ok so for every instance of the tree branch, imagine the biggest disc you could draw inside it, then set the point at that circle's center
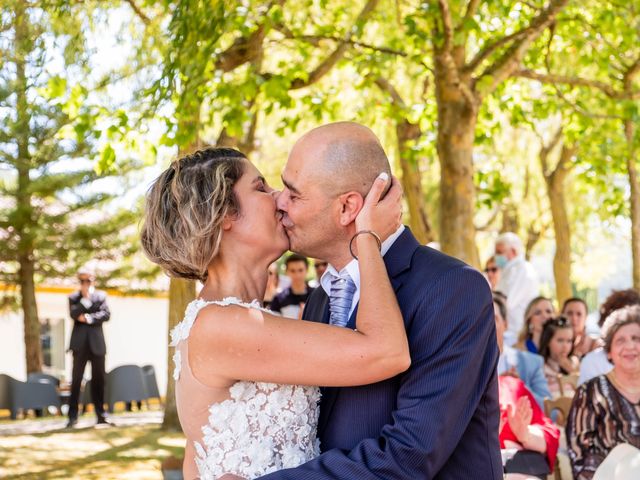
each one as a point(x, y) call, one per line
point(315, 39)
point(245, 48)
point(605, 88)
point(325, 66)
point(510, 60)
point(489, 48)
point(385, 86)
point(146, 20)
point(447, 25)
point(545, 150)
point(472, 8)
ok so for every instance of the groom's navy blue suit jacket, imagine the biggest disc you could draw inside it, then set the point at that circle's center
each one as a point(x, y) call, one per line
point(439, 419)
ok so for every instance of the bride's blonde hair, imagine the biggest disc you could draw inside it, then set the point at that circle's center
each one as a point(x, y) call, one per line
point(185, 208)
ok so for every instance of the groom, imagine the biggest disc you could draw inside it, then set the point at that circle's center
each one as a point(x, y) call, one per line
point(439, 419)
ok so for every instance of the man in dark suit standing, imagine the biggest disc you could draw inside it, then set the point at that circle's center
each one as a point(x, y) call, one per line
point(88, 309)
point(440, 418)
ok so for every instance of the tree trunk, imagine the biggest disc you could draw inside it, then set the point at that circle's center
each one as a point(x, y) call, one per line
point(181, 292)
point(411, 181)
point(562, 232)
point(24, 218)
point(33, 351)
point(634, 201)
point(456, 130)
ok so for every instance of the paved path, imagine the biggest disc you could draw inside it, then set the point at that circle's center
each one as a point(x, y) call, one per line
point(44, 425)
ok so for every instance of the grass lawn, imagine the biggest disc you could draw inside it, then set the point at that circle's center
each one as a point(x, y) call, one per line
point(123, 452)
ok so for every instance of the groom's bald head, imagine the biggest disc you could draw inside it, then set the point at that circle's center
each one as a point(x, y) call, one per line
point(342, 156)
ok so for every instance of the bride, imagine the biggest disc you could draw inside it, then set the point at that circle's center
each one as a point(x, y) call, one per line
point(245, 377)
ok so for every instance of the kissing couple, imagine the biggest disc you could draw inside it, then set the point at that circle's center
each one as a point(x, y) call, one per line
point(392, 374)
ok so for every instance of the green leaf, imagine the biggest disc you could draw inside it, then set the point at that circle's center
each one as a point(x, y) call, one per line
point(107, 160)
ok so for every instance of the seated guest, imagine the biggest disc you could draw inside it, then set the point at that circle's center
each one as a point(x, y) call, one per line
point(539, 310)
point(556, 347)
point(606, 410)
point(524, 365)
point(290, 301)
point(575, 309)
point(492, 272)
point(522, 424)
point(596, 363)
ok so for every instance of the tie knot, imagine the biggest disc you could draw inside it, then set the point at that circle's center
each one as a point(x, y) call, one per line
point(342, 278)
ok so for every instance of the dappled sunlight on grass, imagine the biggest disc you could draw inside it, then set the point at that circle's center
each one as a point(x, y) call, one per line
point(114, 453)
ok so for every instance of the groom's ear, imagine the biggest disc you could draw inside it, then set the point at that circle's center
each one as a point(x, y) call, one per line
point(350, 205)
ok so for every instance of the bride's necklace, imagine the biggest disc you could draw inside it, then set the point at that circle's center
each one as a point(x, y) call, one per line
point(619, 386)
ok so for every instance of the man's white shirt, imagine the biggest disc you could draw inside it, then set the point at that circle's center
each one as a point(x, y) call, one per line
point(354, 272)
point(519, 282)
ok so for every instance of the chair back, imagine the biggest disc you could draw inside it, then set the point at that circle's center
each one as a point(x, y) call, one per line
point(5, 391)
point(560, 404)
point(125, 384)
point(43, 378)
point(565, 381)
point(150, 381)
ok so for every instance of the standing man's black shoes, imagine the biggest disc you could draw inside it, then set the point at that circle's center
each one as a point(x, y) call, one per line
point(103, 421)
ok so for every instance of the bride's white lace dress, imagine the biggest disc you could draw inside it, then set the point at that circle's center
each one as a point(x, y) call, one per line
point(261, 428)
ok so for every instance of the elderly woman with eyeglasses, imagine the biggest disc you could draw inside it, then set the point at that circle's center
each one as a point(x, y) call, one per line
point(556, 347)
point(605, 414)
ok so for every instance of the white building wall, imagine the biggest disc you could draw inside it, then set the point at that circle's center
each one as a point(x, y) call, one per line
point(135, 334)
point(12, 361)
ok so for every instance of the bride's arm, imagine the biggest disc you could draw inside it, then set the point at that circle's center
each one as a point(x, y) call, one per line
point(247, 344)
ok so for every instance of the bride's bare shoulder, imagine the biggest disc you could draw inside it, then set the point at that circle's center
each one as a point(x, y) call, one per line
point(219, 321)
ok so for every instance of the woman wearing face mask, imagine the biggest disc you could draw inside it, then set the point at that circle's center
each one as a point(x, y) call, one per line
point(556, 347)
point(539, 310)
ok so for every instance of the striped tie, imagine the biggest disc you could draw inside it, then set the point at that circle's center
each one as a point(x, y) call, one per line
point(342, 290)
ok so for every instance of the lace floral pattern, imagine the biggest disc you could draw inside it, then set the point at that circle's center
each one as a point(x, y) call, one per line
point(261, 428)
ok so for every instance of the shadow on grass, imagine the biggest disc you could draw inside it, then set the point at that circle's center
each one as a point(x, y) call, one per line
point(148, 444)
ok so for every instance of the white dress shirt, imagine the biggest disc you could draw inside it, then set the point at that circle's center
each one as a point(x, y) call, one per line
point(354, 272)
point(594, 364)
point(519, 282)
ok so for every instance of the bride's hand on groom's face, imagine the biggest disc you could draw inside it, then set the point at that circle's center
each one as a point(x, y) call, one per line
point(382, 215)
